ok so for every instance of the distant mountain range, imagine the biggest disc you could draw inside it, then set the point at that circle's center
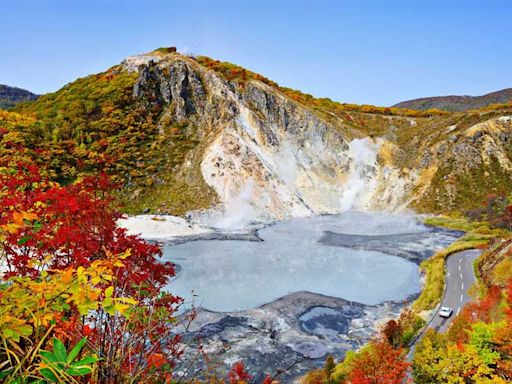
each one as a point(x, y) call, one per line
point(10, 96)
point(457, 103)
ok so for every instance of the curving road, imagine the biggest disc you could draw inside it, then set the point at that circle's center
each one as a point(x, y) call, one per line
point(460, 277)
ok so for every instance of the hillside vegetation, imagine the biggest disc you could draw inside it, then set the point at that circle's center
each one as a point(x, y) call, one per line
point(95, 123)
point(149, 124)
point(477, 347)
point(124, 122)
point(458, 103)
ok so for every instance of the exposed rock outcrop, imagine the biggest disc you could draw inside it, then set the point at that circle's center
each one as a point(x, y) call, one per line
point(296, 163)
point(263, 150)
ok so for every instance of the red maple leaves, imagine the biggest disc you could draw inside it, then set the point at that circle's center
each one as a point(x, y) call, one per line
point(53, 227)
point(382, 364)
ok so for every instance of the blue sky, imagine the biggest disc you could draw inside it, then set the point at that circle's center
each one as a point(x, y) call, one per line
point(361, 51)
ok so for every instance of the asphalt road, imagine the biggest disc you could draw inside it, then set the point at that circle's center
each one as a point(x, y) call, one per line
point(460, 277)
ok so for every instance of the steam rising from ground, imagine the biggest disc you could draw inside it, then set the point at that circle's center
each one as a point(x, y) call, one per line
point(238, 211)
point(286, 164)
point(360, 182)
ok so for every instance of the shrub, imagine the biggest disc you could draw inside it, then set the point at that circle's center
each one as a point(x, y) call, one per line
point(71, 272)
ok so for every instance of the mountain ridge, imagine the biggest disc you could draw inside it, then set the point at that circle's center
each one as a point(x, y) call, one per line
point(191, 133)
point(10, 96)
point(455, 103)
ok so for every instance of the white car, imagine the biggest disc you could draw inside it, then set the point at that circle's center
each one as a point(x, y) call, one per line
point(445, 312)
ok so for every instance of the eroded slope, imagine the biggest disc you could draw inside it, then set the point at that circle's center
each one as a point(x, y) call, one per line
point(182, 133)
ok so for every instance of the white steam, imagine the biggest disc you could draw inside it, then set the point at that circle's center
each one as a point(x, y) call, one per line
point(238, 211)
point(360, 182)
point(286, 166)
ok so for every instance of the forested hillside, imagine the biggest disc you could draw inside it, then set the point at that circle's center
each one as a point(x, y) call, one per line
point(168, 133)
point(156, 121)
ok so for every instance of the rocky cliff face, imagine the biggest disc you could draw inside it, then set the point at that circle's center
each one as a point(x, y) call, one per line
point(268, 156)
point(263, 151)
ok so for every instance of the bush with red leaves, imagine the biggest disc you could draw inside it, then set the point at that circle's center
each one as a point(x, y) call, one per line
point(74, 225)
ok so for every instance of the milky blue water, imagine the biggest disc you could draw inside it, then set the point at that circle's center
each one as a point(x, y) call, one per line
point(236, 275)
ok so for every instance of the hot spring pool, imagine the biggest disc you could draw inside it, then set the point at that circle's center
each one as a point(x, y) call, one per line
point(231, 275)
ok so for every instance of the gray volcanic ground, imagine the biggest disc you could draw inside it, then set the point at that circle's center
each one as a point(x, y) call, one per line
point(312, 287)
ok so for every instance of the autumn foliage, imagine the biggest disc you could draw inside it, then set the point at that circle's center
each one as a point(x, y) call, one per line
point(238, 374)
point(496, 209)
point(81, 300)
point(71, 273)
point(379, 364)
point(477, 348)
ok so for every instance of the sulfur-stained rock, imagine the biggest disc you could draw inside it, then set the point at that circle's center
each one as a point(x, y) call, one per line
point(299, 162)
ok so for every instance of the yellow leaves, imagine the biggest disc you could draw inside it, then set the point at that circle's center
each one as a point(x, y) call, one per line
point(111, 304)
point(19, 220)
point(121, 308)
point(126, 254)
point(127, 300)
point(11, 119)
point(10, 228)
point(44, 320)
point(80, 272)
point(502, 273)
point(85, 307)
point(111, 307)
point(109, 291)
point(28, 304)
point(123, 304)
point(40, 204)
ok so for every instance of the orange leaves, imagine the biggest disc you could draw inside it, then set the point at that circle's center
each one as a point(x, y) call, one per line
point(376, 363)
point(10, 228)
point(233, 72)
point(380, 364)
point(67, 276)
point(156, 360)
point(12, 119)
point(34, 303)
point(20, 217)
point(86, 330)
point(18, 221)
point(477, 347)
